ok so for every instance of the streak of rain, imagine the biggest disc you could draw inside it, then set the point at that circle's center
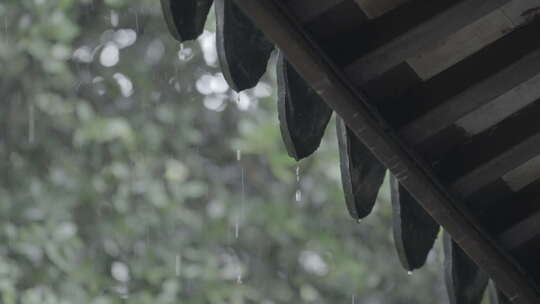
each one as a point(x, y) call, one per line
point(239, 276)
point(238, 155)
point(6, 29)
point(178, 264)
point(298, 195)
point(136, 21)
point(31, 124)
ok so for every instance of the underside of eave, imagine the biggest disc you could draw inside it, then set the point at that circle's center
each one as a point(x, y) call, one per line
point(271, 17)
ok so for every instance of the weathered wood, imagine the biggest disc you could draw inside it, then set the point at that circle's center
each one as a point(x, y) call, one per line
point(243, 50)
point(303, 115)
point(361, 173)
point(185, 18)
point(377, 8)
point(421, 97)
point(415, 231)
point(522, 232)
point(496, 296)
point(273, 17)
point(461, 44)
point(306, 10)
point(498, 208)
point(371, 34)
point(472, 38)
point(465, 282)
point(484, 104)
point(455, 156)
point(497, 167)
point(523, 175)
point(419, 39)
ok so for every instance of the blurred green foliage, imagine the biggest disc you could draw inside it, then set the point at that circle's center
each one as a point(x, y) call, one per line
point(129, 173)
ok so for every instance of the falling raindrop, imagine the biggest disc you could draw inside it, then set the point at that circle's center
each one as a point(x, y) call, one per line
point(177, 265)
point(136, 20)
point(185, 54)
point(238, 155)
point(114, 18)
point(6, 29)
point(298, 174)
point(298, 195)
point(353, 299)
point(207, 41)
point(147, 238)
point(409, 272)
point(239, 276)
point(243, 101)
point(242, 199)
point(31, 124)
point(359, 220)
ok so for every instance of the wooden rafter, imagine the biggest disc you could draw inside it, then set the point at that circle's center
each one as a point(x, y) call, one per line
point(352, 106)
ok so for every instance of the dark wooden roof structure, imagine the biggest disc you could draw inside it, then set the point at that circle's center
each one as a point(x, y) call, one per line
point(444, 94)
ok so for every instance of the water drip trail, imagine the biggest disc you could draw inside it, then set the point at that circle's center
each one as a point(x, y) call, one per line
point(178, 264)
point(31, 124)
point(298, 193)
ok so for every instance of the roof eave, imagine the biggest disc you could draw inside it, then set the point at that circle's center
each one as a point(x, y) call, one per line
point(274, 20)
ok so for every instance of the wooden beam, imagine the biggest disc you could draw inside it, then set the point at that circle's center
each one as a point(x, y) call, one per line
point(466, 154)
point(420, 97)
point(498, 207)
point(307, 10)
point(523, 175)
point(421, 38)
point(334, 31)
point(377, 8)
point(339, 93)
point(522, 232)
point(484, 104)
point(472, 38)
point(497, 167)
